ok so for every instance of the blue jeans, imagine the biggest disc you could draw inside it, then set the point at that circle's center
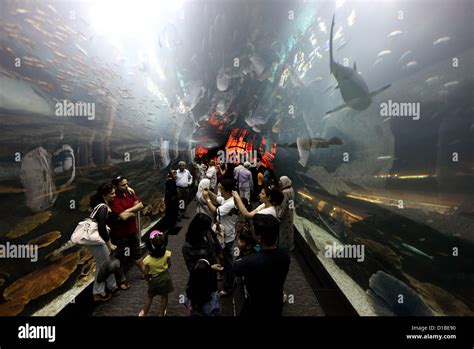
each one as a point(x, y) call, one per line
point(101, 255)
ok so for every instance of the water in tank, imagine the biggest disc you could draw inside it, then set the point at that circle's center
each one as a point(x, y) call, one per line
point(366, 106)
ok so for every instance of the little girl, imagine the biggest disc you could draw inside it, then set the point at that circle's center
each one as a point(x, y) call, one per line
point(156, 270)
point(202, 296)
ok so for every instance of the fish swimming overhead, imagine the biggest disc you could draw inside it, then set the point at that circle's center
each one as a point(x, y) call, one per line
point(354, 89)
point(306, 145)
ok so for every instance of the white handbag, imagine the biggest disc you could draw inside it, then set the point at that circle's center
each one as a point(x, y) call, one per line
point(87, 231)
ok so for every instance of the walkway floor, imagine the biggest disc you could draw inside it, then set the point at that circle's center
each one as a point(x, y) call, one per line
point(302, 301)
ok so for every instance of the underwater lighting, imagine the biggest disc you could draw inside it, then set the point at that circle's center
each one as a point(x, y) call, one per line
point(404, 177)
point(340, 3)
point(414, 176)
point(306, 196)
point(112, 18)
point(153, 88)
point(174, 5)
point(124, 17)
point(368, 199)
point(395, 202)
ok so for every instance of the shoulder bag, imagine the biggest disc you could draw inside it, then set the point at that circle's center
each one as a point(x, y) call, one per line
point(87, 231)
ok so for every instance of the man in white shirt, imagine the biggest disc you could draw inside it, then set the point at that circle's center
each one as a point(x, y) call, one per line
point(211, 174)
point(245, 181)
point(184, 180)
point(202, 169)
point(236, 172)
point(227, 217)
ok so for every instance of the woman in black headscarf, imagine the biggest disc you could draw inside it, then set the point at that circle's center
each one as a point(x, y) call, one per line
point(171, 200)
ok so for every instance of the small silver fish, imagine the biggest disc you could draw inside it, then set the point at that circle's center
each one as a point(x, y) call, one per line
point(394, 34)
point(441, 40)
point(451, 83)
point(52, 9)
point(411, 64)
point(21, 11)
point(431, 80)
point(81, 49)
point(404, 55)
point(377, 61)
point(417, 251)
point(383, 53)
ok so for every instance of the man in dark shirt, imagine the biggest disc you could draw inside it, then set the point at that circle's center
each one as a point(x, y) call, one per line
point(124, 233)
point(265, 272)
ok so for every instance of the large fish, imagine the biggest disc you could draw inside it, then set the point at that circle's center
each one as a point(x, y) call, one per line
point(354, 89)
point(222, 80)
point(387, 288)
point(306, 145)
point(258, 63)
point(23, 97)
point(165, 153)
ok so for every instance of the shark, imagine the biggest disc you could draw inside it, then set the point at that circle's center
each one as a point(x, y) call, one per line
point(353, 88)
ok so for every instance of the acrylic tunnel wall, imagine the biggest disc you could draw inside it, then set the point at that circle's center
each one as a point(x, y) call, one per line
point(368, 112)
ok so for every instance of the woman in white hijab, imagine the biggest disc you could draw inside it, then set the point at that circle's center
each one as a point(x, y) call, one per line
point(205, 185)
point(285, 214)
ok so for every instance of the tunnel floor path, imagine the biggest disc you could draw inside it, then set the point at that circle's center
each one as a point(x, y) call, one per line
point(302, 301)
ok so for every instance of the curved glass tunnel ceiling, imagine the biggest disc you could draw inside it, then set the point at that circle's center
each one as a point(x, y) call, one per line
point(378, 141)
